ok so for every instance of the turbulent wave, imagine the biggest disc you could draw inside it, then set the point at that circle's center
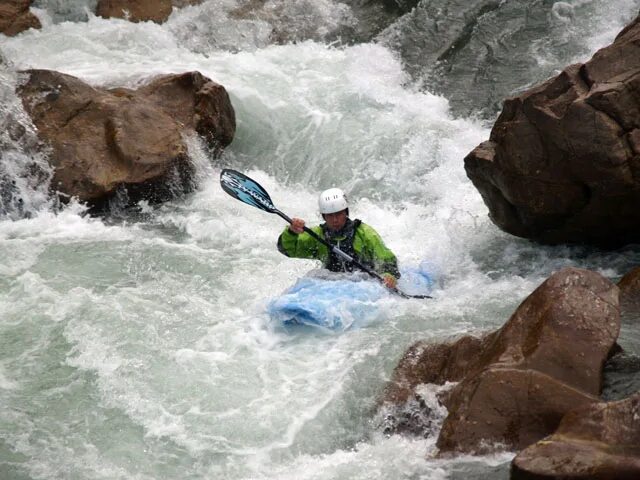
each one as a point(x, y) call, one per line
point(478, 53)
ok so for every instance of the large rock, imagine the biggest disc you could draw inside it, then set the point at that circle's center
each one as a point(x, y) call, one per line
point(546, 360)
point(16, 17)
point(597, 442)
point(197, 103)
point(402, 408)
point(516, 383)
point(565, 329)
point(506, 408)
point(426, 362)
point(140, 10)
point(563, 160)
point(103, 140)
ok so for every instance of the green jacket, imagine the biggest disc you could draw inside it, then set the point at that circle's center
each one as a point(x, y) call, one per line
point(366, 246)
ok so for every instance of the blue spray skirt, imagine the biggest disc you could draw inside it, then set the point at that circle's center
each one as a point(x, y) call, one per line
point(340, 301)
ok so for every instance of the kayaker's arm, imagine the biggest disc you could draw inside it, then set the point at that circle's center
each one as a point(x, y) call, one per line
point(299, 245)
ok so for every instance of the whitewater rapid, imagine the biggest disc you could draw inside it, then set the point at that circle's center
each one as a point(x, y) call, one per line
point(138, 346)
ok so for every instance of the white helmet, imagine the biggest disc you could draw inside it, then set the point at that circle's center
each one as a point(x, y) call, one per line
point(332, 201)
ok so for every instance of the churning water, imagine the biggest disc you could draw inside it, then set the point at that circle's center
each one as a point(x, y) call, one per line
point(139, 347)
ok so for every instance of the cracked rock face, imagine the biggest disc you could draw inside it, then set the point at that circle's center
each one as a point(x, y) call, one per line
point(103, 141)
point(562, 164)
point(597, 442)
point(546, 360)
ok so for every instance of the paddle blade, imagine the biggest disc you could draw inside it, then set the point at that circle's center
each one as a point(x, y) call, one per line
point(242, 188)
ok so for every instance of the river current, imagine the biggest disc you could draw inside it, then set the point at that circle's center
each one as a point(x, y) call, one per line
point(137, 346)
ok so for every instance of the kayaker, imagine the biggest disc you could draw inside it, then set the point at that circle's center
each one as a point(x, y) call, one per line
point(353, 237)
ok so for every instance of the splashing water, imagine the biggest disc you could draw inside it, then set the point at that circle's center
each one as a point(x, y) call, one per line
point(141, 347)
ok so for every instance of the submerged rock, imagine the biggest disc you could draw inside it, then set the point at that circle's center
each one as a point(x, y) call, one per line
point(16, 17)
point(414, 417)
point(597, 442)
point(105, 140)
point(563, 160)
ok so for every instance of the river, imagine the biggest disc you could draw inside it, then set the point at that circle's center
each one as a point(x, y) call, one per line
point(137, 346)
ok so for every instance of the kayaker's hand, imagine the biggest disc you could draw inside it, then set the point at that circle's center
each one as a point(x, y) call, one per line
point(297, 225)
point(390, 281)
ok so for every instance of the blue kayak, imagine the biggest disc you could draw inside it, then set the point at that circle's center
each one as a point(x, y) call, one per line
point(337, 302)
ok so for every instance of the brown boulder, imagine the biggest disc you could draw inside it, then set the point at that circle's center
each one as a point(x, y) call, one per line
point(545, 360)
point(135, 10)
point(195, 102)
point(563, 160)
point(102, 140)
point(426, 362)
point(16, 17)
point(140, 10)
point(506, 408)
point(566, 329)
point(517, 382)
point(597, 442)
point(402, 408)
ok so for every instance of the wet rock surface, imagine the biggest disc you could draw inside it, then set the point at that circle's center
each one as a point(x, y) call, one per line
point(516, 383)
point(15, 17)
point(105, 140)
point(597, 442)
point(562, 164)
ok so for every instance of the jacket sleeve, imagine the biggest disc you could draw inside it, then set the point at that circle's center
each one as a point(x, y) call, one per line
point(383, 259)
point(300, 245)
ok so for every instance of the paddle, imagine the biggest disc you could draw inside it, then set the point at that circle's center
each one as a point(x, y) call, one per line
point(248, 191)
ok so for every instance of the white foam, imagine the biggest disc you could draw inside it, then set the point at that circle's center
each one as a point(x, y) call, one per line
point(6, 383)
point(163, 320)
point(70, 223)
point(380, 459)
